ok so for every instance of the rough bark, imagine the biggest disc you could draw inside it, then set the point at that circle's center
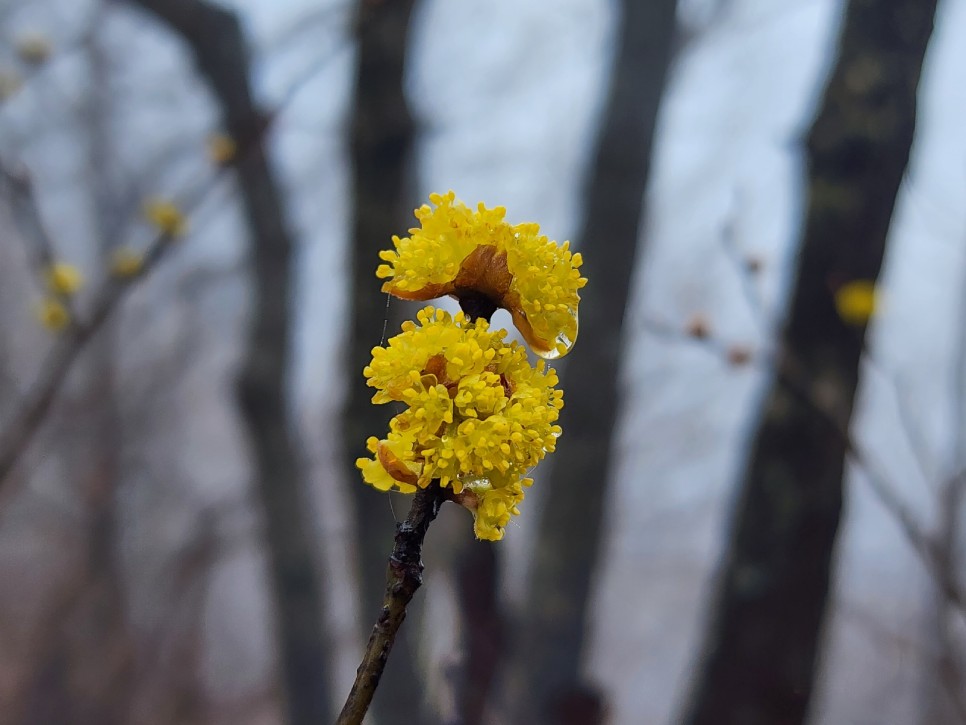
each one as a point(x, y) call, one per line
point(215, 38)
point(765, 630)
point(381, 132)
point(552, 631)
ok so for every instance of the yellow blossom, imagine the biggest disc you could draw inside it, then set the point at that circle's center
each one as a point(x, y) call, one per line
point(126, 262)
point(221, 148)
point(166, 216)
point(63, 279)
point(460, 252)
point(857, 301)
point(478, 416)
point(492, 506)
point(52, 314)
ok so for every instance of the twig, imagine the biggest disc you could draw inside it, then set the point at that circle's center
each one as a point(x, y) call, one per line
point(58, 362)
point(744, 271)
point(908, 422)
point(32, 409)
point(403, 577)
point(40, 246)
point(405, 573)
point(921, 542)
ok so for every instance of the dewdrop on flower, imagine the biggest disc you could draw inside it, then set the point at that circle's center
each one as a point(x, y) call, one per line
point(460, 252)
point(478, 415)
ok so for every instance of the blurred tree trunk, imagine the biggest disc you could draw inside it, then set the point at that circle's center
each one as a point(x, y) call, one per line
point(476, 567)
point(765, 630)
point(382, 137)
point(215, 38)
point(552, 630)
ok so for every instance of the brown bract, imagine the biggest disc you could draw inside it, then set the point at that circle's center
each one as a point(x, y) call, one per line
point(395, 467)
point(483, 274)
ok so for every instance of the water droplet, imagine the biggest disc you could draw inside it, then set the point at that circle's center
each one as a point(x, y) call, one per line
point(563, 342)
point(475, 481)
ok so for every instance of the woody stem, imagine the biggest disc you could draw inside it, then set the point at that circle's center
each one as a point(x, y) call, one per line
point(403, 577)
point(476, 306)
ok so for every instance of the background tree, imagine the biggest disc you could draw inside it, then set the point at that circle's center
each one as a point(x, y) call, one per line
point(132, 542)
point(764, 636)
point(381, 141)
point(263, 380)
point(572, 527)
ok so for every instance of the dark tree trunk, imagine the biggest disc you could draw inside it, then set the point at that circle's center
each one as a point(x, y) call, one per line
point(483, 627)
point(552, 632)
point(766, 627)
point(215, 38)
point(381, 143)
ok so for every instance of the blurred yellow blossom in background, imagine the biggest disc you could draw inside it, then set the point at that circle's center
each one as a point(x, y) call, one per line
point(52, 314)
point(857, 301)
point(63, 279)
point(33, 48)
point(221, 148)
point(166, 216)
point(126, 262)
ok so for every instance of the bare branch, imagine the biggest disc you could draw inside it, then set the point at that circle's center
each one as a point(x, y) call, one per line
point(922, 543)
point(70, 342)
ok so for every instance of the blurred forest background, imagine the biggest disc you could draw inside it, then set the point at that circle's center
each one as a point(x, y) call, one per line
point(754, 514)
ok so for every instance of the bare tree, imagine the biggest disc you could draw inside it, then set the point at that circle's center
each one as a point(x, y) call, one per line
point(764, 635)
point(215, 38)
point(571, 529)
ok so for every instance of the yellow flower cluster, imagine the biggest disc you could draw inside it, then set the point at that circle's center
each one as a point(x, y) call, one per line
point(478, 415)
point(457, 251)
